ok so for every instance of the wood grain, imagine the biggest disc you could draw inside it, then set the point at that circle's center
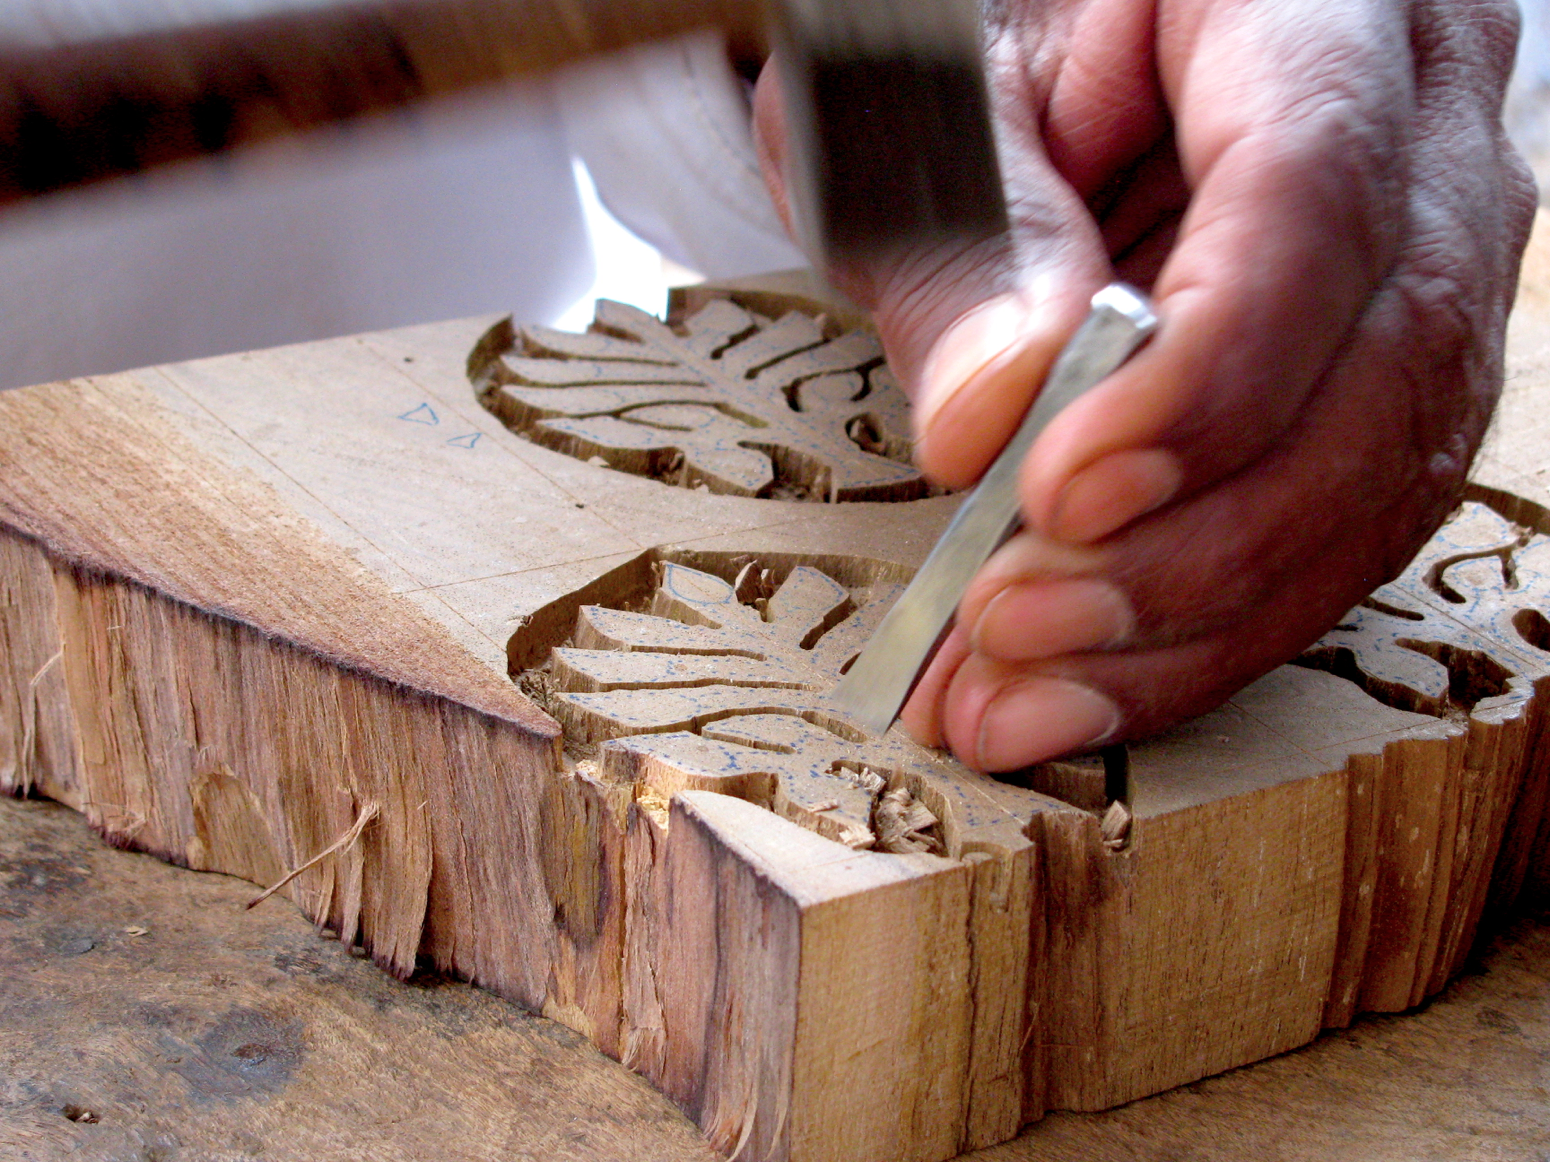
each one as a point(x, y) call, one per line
point(92, 1018)
point(145, 1012)
point(250, 600)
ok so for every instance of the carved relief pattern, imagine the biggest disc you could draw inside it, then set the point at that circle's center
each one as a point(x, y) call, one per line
point(721, 685)
point(1464, 627)
point(728, 400)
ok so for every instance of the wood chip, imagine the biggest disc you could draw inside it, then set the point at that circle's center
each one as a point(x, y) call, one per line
point(1115, 827)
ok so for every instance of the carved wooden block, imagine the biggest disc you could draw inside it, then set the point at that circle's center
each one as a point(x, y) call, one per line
point(729, 399)
point(450, 607)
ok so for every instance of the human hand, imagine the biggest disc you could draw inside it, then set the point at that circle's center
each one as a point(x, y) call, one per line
point(1322, 203)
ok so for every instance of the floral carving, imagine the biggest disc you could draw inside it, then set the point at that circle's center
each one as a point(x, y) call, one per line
point(1464, 625)
point(719, 681)
point(727, 399)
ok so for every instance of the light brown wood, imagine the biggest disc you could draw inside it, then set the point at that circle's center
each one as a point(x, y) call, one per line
point(731, 400)
point(146, 1013)
point(250, 600)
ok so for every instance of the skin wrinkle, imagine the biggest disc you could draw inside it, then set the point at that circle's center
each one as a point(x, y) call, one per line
point(1441, 304)
point(1497, 23)
point(1200, 548)
point(1137, 203)
point(1325, 103)
point(1202, 554)
point(1392, 479)
point(1224, 659)
point(1348, 179)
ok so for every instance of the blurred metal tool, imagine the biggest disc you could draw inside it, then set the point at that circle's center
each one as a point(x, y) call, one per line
point(887, 97)
point(879, 682)
point(889, 126)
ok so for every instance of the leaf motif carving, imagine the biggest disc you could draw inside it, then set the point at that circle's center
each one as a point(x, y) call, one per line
point(1466, 623)
point(721, 684)
point(727, 399)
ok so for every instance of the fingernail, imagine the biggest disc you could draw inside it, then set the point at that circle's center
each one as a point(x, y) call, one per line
point(966, 348)
point(1042, 619)
point(1040, 719)
point(1110, 493)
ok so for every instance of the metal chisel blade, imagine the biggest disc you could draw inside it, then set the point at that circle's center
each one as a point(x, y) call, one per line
point(876, 686)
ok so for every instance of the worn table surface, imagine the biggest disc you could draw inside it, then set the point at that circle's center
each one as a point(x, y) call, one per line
point(146, 1016)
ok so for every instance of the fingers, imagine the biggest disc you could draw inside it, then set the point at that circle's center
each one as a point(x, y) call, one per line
point(980, 376)
point(1332, 220)
point(922, 714)
point(999, 716)
point(1228, 581)
point(1034, 619)
point(991, 715)
point(1165, 620)
point(769, 139)
point(1293, 124)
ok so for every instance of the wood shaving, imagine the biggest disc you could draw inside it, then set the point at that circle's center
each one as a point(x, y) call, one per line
point(1115, 827)
point(903, 823)
point(653, 803)
point(854, 835)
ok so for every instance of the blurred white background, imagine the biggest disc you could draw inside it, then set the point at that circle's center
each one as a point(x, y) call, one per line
point(483, 205)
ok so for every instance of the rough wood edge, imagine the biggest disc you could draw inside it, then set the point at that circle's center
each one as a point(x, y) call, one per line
point(98, 474)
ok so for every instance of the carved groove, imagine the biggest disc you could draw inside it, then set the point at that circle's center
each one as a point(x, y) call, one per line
point(711, 671)
point(723, 398)
point(1462, 624)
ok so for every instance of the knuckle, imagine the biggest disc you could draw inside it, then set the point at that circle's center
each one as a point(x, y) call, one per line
point(1521, 197)
point(1344, 150)
point(1470, 40)
point(1440, 303)
point(1451, 365)
point(1499, 24)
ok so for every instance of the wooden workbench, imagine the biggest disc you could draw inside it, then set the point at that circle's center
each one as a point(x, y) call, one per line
point(144, 1014)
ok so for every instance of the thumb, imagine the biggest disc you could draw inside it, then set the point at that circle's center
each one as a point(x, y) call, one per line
point(970, 325)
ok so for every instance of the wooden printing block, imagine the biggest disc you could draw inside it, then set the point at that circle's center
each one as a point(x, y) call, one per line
point(515, 644)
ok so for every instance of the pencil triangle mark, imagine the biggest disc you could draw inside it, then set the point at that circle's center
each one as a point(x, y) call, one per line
point(467, 441)
point(424, 414)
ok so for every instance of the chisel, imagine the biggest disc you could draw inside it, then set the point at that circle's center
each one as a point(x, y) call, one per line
point(880, 680)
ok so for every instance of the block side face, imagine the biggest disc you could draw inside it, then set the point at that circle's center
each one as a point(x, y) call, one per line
point(1005, 945)
point(219, 748)
point(725, 965)
point(885, 1020)
point(1253, 892)
point(1234, 930)
point(1444, 820)
point(1521, 873)
point(1207, 944)
point(37, 725)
